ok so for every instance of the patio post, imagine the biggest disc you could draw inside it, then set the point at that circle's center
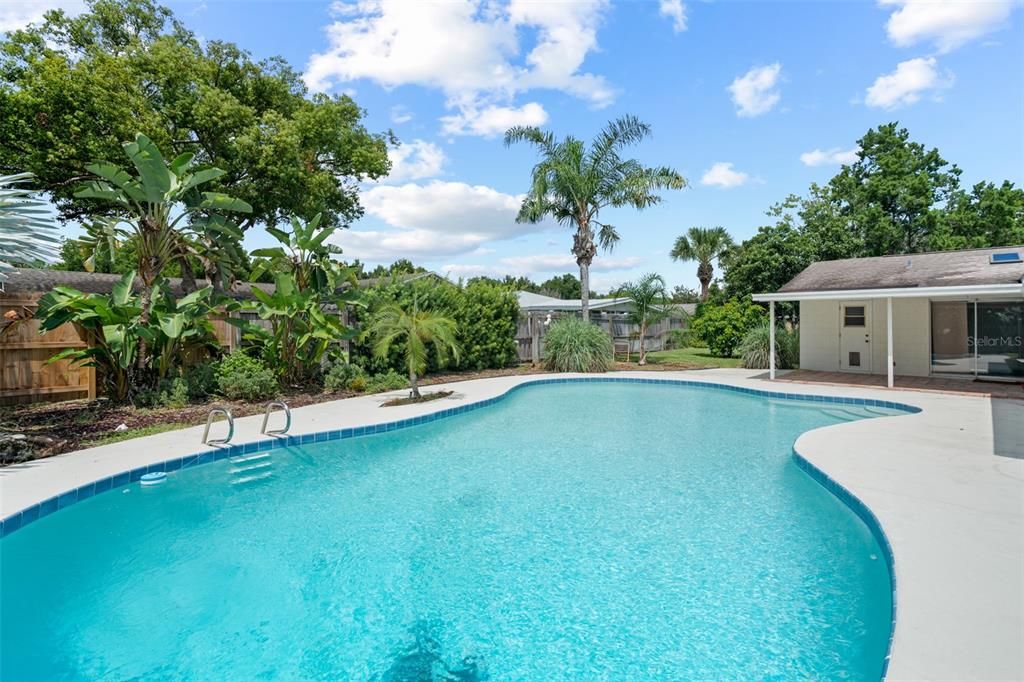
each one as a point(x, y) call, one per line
point(771, 340)
point(890, 366)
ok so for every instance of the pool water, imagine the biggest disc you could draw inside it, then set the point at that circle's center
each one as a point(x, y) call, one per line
point(603, 531)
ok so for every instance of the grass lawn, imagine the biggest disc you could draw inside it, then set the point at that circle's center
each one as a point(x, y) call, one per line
point(689, 357)
point(118, 436)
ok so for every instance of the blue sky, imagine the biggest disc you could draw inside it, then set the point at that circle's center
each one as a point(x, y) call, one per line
point(741, 96)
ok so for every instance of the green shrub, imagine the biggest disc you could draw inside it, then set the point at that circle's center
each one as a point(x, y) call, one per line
point(386, 381)
point(678, 338)
point(201, 380)
point(175, 393)
point(342, 375)
point(722, 327)
point(358, 383)
point(572, 345)
point(240, 377)
point(753, 349)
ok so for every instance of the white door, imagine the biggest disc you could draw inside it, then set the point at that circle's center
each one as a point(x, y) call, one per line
point(855, 336)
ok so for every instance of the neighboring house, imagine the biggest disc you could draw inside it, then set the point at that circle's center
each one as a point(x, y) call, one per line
point(949, 314)
point(536, 311)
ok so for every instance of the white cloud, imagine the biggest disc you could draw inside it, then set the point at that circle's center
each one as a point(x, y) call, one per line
point(400, 114)
point(829, 157)
point(947, 23)
point(468, 49)
point(415, 160)
point(16, 14)
point(907, 83)
point(432, 220)
point(491, 121)
point(676, 11)
point(543, 262)
point(755, 92)
point(721, 174)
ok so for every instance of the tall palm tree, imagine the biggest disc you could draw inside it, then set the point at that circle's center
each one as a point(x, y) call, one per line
point(648, 296)
point(572, 183)
point(413, 330)
point(702, 244)
point(27, 233)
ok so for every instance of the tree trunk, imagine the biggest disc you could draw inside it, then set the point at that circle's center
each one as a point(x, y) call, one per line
point(704, 274)
point(584, 249)
point(643, 350)
point(414, 385)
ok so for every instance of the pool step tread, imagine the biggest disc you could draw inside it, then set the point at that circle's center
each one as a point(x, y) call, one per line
point(241, 459)
point(254, 466)
point(252, 479)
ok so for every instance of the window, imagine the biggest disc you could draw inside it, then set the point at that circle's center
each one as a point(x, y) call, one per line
point(984, 339)
point(1005, 257)
point(853, 316)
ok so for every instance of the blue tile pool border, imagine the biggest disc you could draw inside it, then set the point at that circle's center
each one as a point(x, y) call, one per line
point(42, 509)
point(869, 519)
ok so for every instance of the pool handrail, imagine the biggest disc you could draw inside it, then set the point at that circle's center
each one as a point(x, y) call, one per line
point(266, 416)
point(209, 420)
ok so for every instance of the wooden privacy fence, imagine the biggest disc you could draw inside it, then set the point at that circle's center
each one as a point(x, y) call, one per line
point(533, 326)
point(26, 375)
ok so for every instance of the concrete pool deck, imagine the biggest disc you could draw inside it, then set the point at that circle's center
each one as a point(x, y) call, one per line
point(946, 484)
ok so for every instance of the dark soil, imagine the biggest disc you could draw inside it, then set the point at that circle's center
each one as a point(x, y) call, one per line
point(425, 398)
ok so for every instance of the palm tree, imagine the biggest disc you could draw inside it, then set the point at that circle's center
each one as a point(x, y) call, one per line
point(572, 183)
point(648, 296)
point(26, 232)
point(702, 244)
point(414, 330)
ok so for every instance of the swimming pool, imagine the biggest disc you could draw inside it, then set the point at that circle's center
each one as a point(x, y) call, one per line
point(578, 530)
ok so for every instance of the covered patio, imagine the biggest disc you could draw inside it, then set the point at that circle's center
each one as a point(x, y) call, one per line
point(991, 389)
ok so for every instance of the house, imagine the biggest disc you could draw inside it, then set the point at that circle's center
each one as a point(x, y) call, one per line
point(536, 311)
point(947, 314)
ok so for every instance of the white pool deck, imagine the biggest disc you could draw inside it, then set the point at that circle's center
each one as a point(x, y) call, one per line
point(951, 507)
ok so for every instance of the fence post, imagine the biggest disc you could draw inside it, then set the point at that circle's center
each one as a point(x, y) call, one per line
point(534, 340)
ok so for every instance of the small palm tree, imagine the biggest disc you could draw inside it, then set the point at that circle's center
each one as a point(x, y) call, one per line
point(702, 244)
point(27, 233)
point(648, 296)
point(572, 183)
point(413, 330)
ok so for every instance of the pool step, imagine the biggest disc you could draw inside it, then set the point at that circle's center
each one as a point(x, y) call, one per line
point(254, 466)
point(241, 480)
point(254, 457)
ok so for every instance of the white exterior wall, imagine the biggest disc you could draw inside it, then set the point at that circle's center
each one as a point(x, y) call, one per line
point(819, 336)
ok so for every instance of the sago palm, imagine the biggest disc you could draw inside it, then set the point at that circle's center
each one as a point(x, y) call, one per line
point(648, 296)
point(572, 183)
point(27, 233)
point(703, 245)
point(414, 331)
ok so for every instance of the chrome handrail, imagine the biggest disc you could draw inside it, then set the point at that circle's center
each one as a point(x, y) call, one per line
point(209, 420)
point(266, 416)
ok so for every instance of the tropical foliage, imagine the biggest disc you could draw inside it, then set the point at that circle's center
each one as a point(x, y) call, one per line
point(242, 377)
point(114, 328)
point(703, 245)
point(303, 310)
point(413, 331)
point(648, 296)
point(575, 345)
point(26, 232)
point(753, 349)
point(722, 326)
point(572, 183)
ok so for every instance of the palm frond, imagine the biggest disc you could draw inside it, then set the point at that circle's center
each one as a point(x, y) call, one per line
point(27, 233)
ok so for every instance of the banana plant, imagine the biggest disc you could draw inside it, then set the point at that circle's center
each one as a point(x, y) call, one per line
point(114, 328)
point(304, 252)
point(162, 205)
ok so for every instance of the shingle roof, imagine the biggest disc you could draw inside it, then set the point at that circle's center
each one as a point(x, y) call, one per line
point(531, 301)
point(39, 281)
point(938, 269)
